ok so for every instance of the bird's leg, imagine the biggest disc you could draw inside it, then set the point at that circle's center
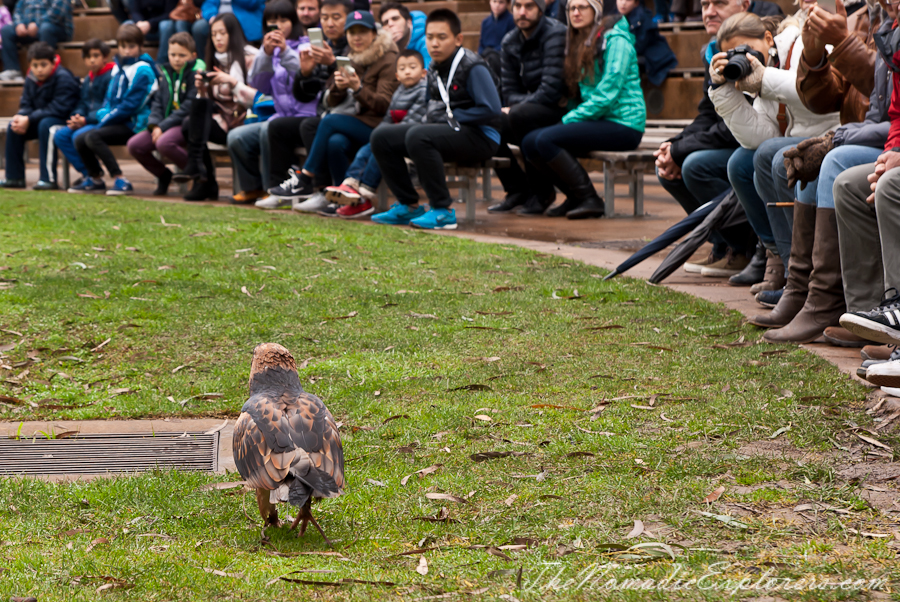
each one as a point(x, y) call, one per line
point(296, 521)
point(267, 509)
point(316, 525)
point(304, 514)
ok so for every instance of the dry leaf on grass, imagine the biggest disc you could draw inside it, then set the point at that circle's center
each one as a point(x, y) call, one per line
point(636, 530)
point(422, 567)
point(246, 292)
point(475, 387)
point(714, 495)
point(873, 441)
point(220, 486)
point(490, 455)
point(224, 574)
point(421, 473)
point(446, 496)
point(352, 314)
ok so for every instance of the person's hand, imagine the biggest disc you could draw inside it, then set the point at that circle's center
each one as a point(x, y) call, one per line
point(831, 28)
point(20, 124)
point(268, 44)
point(804, 161)
point(279, 39)
point(219, 77)
point(155, 135)
point(752, 84)
point(505, 110)
point(33, 30)
point(144, 26)
point(665, 164)
point(75, 122)
point(21, 30)
point(352, 78)
point(201, 85)
point(341, 82)
point(716, 66)
point(813, 46)
point(885, 162)
point(307, 62)
point(323, 54)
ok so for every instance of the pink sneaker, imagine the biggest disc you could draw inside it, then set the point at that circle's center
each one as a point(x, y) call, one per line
point(342, 195)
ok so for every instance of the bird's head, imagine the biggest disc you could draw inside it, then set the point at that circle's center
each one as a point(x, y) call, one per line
point(271, 355)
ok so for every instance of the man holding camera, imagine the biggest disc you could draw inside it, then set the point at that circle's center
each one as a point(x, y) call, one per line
point(693, 166)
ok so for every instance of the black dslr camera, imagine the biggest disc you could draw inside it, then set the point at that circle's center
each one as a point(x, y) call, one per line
point(738, 66)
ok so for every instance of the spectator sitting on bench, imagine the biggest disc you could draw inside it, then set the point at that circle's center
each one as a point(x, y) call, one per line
point(534, 88)
point(658, 58)
point(272, 73)
point(493, 29)
point(48, 97)
point(49, 21)
point(357, 98)
point(123, 114)
point(461, 125)
point(308, 13)
point(601, 71)
point(185, 18)
point(221, 105)
point(317, 64)
point(357, 192)
point(84, 118)
point(148, 14)
point(407, 29)
point(176, 91)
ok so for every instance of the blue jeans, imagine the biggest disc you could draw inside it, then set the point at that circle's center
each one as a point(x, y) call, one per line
point(838, 160)
point(740, 174)
point(704, 176)
point(248, 146)
point(365, 168)
point(15, 148)
point(199, 29)
point(336, 138)
point(47, 32)
point(770, 180)
point(153, 36)
point(65, 142)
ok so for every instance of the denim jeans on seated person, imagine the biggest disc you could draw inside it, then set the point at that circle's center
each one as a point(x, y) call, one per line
point(336, 138)
point(704, 176)
point(770, 179)
point(51, 33)
point(837, 161)
point(365, 168)
point(199, 29)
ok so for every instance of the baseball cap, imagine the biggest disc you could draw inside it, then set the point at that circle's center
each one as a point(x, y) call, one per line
point(360, 17)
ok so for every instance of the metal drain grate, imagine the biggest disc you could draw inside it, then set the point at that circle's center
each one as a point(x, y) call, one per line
point(109, 453)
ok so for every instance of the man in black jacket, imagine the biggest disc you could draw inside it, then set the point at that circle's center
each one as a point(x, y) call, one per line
point(533, 84)
point(693, 166)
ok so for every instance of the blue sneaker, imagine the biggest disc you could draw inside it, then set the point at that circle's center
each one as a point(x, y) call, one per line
point(87, 184)
point(121, 187)
point(769, 298)
point(436, 219)
point(398, 215)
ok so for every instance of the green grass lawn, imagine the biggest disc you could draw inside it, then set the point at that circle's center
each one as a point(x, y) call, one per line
point(611, 402)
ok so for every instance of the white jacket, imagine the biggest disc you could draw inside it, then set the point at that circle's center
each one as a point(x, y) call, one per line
point(753, 125)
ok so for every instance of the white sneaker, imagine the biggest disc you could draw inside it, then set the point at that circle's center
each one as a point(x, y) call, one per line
point(313, 204)
point(892, 391)
point(886, 374)
point(11, 75)
point(272, 202)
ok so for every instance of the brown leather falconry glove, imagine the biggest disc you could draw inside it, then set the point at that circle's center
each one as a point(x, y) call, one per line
point(803, 161)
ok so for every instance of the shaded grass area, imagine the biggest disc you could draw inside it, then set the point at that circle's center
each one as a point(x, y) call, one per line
point(607, 402)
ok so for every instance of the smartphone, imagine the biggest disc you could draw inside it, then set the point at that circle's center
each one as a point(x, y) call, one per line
point(315, 37)
point(828, 5)
point(344, 63)
point(272, 27)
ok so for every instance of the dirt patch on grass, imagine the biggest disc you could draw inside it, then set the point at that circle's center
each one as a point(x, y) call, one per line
point(872, 472)
point(782, 450)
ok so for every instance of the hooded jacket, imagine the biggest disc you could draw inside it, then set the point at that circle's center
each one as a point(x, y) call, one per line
point(377, 70)
point(56, 96)
point(129, 93)
point(174, 95)
point(274, 75)
point(417, 36)
point(613, 93)
point(248, 12)
point(753, 125)
point(532, 69)
point(93, 93)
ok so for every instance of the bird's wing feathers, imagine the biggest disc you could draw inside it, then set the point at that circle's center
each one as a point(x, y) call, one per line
point(275, 433)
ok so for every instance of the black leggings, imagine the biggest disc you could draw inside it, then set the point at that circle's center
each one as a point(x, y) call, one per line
point(579, 139)
point(93, 147)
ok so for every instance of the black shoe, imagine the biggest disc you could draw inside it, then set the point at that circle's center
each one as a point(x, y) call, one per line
point(594, 207)
point(203, 191)
point(509, 203)
point(881, 324)
point(533, 206)
point(42, 185)
point(12, 183)
point(754, 272)
point(297, 187)
point(569, 204)
point(162, 184)
point(330, 210)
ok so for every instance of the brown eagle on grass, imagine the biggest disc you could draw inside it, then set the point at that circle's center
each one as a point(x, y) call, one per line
point(286, 443)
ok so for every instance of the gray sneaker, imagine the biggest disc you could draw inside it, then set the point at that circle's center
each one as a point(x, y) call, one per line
point(273, 202)
point(11, 75)
point(313, 204)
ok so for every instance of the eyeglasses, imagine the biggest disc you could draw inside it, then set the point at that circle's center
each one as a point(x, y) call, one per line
point(578, 8)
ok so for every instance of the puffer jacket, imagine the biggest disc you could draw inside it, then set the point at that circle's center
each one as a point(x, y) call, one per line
point(128, 96)
point(753, 125)
point(532, 68)
point(873, 130)
point(56, 96)
point(274, 75)
point(416, 40)
point(248, 12)
point(377, 70)
point(844, 81)
point(408, 105)
point(174, 95)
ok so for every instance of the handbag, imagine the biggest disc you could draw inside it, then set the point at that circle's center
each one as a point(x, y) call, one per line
point(185, 11)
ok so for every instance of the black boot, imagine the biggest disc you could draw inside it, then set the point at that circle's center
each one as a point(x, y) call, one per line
point(207, 188)
point(509, 203)
point(755, 270)
point(162, 184)
point(197, 136)
point(581, 197)
point(534, 206)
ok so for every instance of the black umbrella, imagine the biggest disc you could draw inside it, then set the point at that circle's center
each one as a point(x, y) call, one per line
point(669, 236)
point(726, 214)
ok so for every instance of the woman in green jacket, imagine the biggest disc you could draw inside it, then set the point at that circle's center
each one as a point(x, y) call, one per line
point(601, 71)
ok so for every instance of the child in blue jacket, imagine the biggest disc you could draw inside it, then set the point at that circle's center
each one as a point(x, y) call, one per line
point(124, 113)
point(48, 96)
point(93, 93)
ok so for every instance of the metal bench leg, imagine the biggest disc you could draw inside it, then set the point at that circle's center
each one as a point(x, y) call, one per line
point(638, 175)
point(382, 201)
point(471, 187)
point(65, 173)
point(609, 188)
point(486, 184)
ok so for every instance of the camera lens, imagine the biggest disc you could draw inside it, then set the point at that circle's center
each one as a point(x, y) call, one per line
point(738, 67)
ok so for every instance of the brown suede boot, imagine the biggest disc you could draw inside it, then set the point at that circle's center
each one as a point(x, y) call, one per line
point(800, 267)
point(825, 304)
point(774, 278)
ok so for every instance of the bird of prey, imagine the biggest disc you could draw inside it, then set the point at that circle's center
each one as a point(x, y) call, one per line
point(286, 443)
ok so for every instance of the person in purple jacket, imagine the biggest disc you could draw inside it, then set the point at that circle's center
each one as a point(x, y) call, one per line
point(272, 73)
